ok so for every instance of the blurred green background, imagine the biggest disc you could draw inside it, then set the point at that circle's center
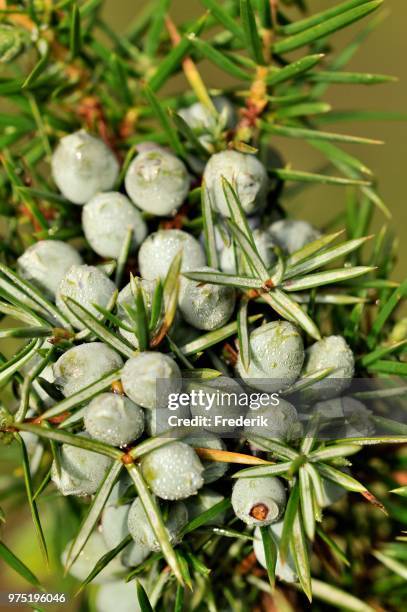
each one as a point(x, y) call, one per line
point(383, 52)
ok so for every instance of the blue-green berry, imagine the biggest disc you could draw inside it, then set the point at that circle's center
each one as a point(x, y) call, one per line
point(127, 298)
point(46, 262)
point(119, 596)
point(106, 221)
point(244, 172)
point(91, 553)
point(204, 305)
point(203, 501)
point(114, 419)
point(276, 357)
point(83, 165)
point(285, 570)
point(199, 117)
point(258, 501)
point(87, 285)
point(140, 528)
point(282, 422)
point(81, 471)
point(173, 471)
point(149, 378)
point(330, 352)
point(159, 249)
point(213, 470)
point(292, 235)
point(82, 365)
point(157, 182)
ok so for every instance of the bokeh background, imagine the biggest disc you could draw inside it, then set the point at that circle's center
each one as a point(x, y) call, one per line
point(384, 52)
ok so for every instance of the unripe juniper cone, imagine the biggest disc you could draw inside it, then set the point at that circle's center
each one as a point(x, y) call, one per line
point(149, 378)
point(157, 182)
point(106, 220)
point(245, 173)
point(140, 527)
point(204, 305)
point(84, 364)
point(258, 501)
point(277, 356)
point(88, 286)
point(114, 419)
point(83, 165)
point(126, 298)
point(330, 352)
point(291, 235)
point(173, 471)
point(159, 249)
point(46, 262)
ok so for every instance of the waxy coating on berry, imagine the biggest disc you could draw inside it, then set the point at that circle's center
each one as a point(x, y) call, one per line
point(91, 553)
point(159, 249)
point(204, 305)
point(330, 352)
point(173, 471)
point(106, 221)
point(205, 500)
point(258, 501)
point(114, 419)
point(118, 596)
point(220, 399)
point(83, 165)
point(82, 365)
point(276, 357)
point(81, 471)
point(245, 173)
point(149, 378)
point(291, 235)
point(46, 262)
point(264, 245)
point(140, 528)
point(157, 182)
point(86, 285)
point(282, 422)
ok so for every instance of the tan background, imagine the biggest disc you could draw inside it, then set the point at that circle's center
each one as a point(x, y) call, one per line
point(384, 52)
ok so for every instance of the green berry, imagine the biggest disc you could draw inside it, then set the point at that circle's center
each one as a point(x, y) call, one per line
point(204, 305)
point(291, 235)
point(199, 117)
point(244, 172)
point(119, 596)
point(173, 471)
point(81, 471)
point(88, 286)
point(282, 422)
point(46, 262)
point(82, 365)
point(284, 570)
point(157, 182)
point(258, 501)
point(213, 470)
point(149, 378)
point(127, 298)
point(355, 417)
point(114, 419)
point(91, 553)
point(203, 501)
point(330, 352)
point(106, 220)
point(277, 355)
point(83, 165)
point(159, 249)
point(142, 532)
